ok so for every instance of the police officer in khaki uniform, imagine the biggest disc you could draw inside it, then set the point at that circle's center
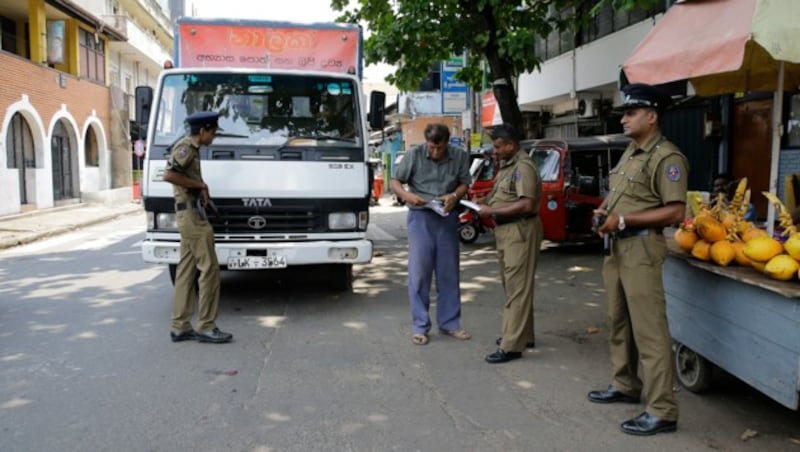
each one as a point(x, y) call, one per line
point(514, 206)
point(197, 236)
point(647, 192)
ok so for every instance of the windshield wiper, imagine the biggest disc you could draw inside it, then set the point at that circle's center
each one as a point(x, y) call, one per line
point(230, 135)
point(319, 137)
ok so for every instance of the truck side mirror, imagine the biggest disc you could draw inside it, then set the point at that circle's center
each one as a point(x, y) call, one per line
point(377, 110)
point(144, 101)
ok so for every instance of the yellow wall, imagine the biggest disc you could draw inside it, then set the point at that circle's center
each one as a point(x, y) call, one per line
point(38, 31)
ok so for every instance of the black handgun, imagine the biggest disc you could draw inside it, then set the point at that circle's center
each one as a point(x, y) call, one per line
point(607, 243)
point(598, 221)
point(201, 209)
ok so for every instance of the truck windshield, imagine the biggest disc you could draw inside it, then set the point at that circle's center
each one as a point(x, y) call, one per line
point(262, 109)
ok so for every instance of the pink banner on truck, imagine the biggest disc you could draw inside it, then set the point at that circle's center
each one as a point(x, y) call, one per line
point(250, 46)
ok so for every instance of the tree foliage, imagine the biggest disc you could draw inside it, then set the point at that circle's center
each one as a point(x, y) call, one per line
point(415, 34)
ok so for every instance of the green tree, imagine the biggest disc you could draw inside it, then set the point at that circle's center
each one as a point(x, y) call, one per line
point(415, 34)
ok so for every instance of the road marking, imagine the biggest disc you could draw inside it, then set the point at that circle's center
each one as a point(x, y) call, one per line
point(375, 232)
point(106, 241)
point(49, 242)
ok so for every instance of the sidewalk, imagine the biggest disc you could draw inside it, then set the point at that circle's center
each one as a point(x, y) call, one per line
point(19, 229)
point(28, 227)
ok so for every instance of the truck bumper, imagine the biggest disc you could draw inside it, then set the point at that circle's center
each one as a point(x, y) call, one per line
point(295, 253)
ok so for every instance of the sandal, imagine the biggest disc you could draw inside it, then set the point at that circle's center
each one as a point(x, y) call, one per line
point(419, 339)
point(459, 334)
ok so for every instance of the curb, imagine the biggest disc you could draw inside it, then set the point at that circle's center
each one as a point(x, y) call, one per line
point(34, 236)
point(38, 212)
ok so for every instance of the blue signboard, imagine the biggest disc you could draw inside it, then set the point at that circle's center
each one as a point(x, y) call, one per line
point(454, 93)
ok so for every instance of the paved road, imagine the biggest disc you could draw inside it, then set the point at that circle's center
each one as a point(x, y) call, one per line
point(86, 363)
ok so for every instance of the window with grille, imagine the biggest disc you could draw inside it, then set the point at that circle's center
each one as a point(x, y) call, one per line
point(92, 56)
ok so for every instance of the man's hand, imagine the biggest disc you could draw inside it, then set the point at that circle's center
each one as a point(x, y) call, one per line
point(610, 225)
point(413, 199)
point(450, 201)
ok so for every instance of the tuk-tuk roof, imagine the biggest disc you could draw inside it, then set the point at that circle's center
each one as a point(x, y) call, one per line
point(617, 141)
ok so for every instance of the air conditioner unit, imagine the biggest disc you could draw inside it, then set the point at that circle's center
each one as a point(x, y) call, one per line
point(588, 107)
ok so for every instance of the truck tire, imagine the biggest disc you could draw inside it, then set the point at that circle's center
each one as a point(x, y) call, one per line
point(692, 370)
point(468, 233)
point(340, 276)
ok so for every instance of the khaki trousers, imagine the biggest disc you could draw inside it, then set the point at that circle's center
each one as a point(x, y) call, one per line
point(197, 254)
point(517, 252)
point(638, 322)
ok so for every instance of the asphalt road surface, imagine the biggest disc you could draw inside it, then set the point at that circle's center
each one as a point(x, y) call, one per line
point(86, 362)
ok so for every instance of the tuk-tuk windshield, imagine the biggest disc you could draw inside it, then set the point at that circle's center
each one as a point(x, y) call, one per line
point(548, 161)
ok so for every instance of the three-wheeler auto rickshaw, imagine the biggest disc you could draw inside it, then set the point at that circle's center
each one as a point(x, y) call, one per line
point(574, 174)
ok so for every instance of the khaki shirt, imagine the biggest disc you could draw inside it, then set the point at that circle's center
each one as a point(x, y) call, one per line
point(518, 178)
point(648, 177)
point(185, 159)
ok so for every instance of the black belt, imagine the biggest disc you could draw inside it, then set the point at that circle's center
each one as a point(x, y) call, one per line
point(637, 232)
point(499, 221)
point(180, 206)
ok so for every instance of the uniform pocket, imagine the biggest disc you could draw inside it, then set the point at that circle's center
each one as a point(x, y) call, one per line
point(639, 185)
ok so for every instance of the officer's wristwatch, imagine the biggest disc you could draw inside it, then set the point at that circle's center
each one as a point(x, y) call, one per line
point(621, 225)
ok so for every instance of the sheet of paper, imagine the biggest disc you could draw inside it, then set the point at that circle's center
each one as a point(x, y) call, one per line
point(469, 204)
point(437, 206)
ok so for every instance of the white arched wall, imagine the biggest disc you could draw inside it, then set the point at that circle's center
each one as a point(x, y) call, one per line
point(76, 142)
point(102, 173)
point(9, 177)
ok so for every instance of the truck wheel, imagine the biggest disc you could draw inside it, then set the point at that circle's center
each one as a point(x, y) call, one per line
point(692, 370)
point(340, 276)
point(468, 233)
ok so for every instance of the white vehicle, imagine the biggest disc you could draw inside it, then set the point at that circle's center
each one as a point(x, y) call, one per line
point(288, 172)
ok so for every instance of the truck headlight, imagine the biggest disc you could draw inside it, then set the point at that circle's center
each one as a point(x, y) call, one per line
point(166, 221)
point(342, 220)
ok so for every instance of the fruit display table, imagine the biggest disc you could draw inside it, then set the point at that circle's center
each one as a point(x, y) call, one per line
point(736, 318)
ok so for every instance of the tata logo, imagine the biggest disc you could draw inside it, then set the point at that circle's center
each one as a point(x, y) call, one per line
point(256, 202)
point(257, 222)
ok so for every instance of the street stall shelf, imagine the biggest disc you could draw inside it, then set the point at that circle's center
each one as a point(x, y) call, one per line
point(736, 318)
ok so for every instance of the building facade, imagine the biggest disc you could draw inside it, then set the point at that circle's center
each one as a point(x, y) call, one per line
point(580, 79)
point(66, 101)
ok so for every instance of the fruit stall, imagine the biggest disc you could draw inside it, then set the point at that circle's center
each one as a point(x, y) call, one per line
point(733, 299)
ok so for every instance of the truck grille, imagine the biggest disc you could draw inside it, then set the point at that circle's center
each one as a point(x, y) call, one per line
point(267, 220)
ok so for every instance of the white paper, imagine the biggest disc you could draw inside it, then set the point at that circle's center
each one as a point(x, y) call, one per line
point(437, 206)
point(467, 203)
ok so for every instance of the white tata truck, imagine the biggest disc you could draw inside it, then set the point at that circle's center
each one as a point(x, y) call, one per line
point(289, 170)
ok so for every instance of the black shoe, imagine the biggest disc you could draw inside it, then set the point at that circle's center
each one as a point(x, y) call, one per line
point(502, 356)
point(611, 395)
point(215, 336)
point(527, 344)
point(646, 424)
point(184, 336)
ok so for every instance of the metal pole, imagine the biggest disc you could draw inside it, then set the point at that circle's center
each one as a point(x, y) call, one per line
point(777, 110)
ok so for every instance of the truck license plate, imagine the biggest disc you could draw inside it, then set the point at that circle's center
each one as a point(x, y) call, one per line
point(256, 262)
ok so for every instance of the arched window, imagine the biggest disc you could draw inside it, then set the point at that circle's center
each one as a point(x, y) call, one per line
point(20, 153)
point(91, 151)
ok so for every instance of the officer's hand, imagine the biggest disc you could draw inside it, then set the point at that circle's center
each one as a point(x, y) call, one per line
point(610, 225)
point(485, 211)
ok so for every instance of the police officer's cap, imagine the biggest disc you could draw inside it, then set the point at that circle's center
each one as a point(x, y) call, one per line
point(639, 95)
point(203, 120)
